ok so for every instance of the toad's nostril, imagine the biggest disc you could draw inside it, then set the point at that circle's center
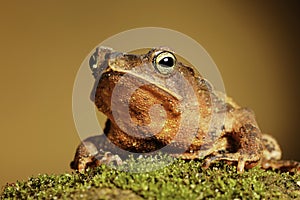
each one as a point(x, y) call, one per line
point(93, 60)
point(98, 60)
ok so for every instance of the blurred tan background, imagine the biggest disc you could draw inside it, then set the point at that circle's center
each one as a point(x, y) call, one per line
point(254, 44)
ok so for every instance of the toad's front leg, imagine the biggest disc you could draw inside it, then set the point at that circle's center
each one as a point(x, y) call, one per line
point(93, 152)
point(243, 140)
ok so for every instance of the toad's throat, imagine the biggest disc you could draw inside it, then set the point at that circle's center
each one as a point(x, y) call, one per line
point(130, 143)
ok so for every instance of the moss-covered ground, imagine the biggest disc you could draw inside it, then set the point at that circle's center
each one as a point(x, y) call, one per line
point(180, 180)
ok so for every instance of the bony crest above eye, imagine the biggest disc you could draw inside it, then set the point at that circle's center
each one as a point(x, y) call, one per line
point(164, 62)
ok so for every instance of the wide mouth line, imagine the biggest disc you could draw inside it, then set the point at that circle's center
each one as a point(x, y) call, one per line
point(152, 82)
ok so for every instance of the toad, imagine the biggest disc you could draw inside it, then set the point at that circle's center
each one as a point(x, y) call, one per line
point(152, 101)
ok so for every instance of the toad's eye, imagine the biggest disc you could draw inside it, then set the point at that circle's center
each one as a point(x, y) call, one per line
point(164, 62)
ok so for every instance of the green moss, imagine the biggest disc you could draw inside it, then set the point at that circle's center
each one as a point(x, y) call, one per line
point(180, 180)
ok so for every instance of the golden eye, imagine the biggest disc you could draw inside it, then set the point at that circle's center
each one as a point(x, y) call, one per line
point(164, 62)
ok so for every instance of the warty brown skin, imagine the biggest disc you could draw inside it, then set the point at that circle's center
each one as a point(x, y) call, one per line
point(225, 131)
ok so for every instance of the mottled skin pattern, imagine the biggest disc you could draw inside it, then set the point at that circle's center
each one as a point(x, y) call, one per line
point(225, 132)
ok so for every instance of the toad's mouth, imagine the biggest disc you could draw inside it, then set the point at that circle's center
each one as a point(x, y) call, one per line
point(147, 78)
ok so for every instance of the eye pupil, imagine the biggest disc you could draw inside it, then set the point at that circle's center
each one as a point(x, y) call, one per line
point(166, 62)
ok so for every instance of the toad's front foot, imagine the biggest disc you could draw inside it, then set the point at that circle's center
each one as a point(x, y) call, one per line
point(241, 161)
point(244, 148)
point(88, 155)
